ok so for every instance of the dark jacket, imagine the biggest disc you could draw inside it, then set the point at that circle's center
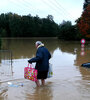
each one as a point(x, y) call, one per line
point(41, 59)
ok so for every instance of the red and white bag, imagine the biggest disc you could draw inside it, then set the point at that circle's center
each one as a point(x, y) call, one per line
point(30, 73)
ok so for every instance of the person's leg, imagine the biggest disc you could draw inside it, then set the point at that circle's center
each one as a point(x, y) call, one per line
point(43, 81)
point(38, 77)
point(37, 83)
point(44, 76)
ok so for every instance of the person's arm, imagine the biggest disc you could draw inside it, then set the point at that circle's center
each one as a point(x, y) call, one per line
point(38, 57)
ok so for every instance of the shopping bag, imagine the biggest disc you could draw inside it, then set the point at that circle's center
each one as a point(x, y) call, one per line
point(50, 71)
point(30, 73)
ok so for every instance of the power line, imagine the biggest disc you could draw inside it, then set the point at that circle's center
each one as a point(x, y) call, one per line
point(16, 4)
point(53, 5)
point(58, 5)
point(23, 4)
point(53, 8)
point(28, 4)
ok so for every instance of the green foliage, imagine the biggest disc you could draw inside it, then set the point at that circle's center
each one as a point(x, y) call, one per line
point(3, 32)
point(0, 42)
point(68, 31)
point(14, 25)
point(49, 28)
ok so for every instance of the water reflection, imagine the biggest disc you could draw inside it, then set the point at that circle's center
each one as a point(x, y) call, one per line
point(64, 53)
point(62, 59)
point(66, 60)
point(26, 47)
point(42, 93)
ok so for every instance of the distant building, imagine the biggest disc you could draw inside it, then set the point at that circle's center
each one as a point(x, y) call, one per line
point(86, 3)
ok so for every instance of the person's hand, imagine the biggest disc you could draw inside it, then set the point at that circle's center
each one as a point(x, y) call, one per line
point(29, 62)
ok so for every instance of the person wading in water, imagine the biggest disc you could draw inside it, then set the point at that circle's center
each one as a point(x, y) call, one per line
point(42, 62)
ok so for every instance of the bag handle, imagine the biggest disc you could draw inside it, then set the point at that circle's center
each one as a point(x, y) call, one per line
point(30, 65)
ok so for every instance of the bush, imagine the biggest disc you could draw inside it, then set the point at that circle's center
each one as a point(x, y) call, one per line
point(3, 32)
point(67, 31)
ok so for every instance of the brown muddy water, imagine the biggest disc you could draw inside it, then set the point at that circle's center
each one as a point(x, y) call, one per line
point(69, 82)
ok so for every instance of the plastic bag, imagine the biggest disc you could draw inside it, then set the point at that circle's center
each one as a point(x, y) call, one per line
point(50, 71)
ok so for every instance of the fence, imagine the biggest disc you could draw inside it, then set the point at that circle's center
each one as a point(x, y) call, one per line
point(6, 57)
point(6, 70)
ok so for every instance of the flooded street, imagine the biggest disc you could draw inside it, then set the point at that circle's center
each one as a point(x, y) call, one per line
point(69, 82)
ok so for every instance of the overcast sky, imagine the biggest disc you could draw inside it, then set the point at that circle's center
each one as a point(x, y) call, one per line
point(59, 9)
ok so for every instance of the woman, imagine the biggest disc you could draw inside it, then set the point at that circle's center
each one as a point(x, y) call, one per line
point(42, 62)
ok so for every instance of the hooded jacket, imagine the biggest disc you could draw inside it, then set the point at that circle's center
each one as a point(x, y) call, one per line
point(41, 59)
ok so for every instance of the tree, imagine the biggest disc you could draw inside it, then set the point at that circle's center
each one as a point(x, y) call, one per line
point(49, 28)
point(67, 31)
point(14, 25)
point(0, 42)
point(3, 32)
point(50, 17)
point(84, 23)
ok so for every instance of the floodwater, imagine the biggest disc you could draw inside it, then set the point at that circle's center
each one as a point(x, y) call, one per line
point(70, 81)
